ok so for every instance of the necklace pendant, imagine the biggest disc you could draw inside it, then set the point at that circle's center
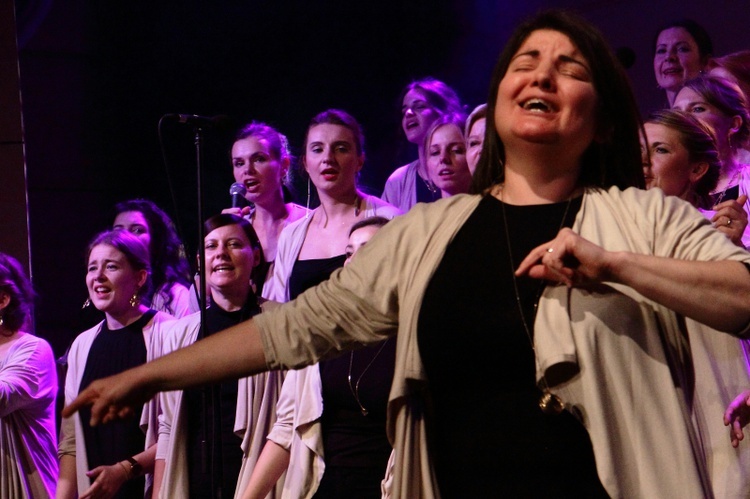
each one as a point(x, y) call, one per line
point(551, 404)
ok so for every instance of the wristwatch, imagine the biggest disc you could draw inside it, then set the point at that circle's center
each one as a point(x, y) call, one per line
point(135, 467)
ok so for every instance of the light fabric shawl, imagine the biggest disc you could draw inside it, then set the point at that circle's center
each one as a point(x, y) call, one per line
point(28, 439)
point(625, 356)
point(401, 187)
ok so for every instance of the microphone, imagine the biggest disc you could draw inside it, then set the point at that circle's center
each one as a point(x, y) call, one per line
point(238, 191)
point(626, 56)
point(220, 121)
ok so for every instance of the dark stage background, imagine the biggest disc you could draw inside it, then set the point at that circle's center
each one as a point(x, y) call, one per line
point(97, 75)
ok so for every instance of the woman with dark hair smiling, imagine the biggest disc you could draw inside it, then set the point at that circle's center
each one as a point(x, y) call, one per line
point(546, 310)
point(199, 453)
point(682, 50)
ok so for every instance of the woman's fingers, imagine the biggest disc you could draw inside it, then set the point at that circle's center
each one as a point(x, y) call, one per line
point(568, 259)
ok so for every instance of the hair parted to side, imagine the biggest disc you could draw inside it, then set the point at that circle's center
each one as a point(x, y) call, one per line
point(447, 119)
point(169, 264)
point(727, 97)
point(699, 141)
point(477, 114)
point(13, 281)
point(133, 249)
point(615, 159)
point(341, 118)
point(373, 221)
point(222, 220)
point(439, 95)
point(700, 36)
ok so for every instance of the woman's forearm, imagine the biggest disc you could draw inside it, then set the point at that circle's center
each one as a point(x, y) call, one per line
point(714, 293)
point(272, 463)
point(232, 353)
point(67, 484)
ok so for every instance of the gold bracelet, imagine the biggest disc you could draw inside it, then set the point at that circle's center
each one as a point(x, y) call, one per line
point(127, 472)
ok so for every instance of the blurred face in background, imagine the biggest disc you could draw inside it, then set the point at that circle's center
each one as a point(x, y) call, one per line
point(417, 115)
point(359, 238)
point(474, 143)
point(669, 167)
point(676, 58)
point(446, 160)
point(135, 223)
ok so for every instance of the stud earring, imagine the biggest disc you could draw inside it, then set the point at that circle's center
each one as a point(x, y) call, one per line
point(134, 299)
point(2, 321)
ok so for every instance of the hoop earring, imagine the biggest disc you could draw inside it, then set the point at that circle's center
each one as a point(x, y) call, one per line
point(86, 303)
point(134, 299)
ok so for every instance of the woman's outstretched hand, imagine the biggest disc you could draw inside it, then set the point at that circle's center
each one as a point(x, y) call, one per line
point(731, 218)
point(568, 259)
point(737, 416)
point(114, 397)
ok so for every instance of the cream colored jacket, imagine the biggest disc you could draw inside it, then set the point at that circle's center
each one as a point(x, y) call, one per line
point(254, 418)
point(71, 431)
point(629, 356)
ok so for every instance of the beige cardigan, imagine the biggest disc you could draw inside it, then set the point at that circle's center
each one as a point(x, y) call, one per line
point(621, 347)
point(254, 418)
point(71, 431)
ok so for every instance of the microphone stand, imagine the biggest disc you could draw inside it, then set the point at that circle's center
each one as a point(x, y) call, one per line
point(208, 416)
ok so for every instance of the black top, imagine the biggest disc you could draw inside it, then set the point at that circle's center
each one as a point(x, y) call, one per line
point(488, 436)
point(112, 352)
point(355, 446)
point(731, 193)
point(214, 453)
point(426, 194)
point(308, 273)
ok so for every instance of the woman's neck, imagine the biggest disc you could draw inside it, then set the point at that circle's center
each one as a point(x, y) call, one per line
point(7, 336)
point(337, 206)
point(125, 318)
point(270, 211)
point(530, 183)
point(671, 94)
point(230, 300)
point(422, 165)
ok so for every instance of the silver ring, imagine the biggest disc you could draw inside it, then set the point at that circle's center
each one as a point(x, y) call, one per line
point(550, 250)
point(729, 221)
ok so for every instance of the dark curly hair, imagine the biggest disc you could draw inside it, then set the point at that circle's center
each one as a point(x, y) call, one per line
point(169, 265)
point(13, 281)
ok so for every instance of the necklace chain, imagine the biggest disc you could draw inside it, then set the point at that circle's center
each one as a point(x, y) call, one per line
point(549, 403)
point(719, 196)
point(355, 388)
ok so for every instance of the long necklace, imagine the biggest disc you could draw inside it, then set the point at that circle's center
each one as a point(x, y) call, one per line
point(355, 388)
point(549, 403)
point(719, 196)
